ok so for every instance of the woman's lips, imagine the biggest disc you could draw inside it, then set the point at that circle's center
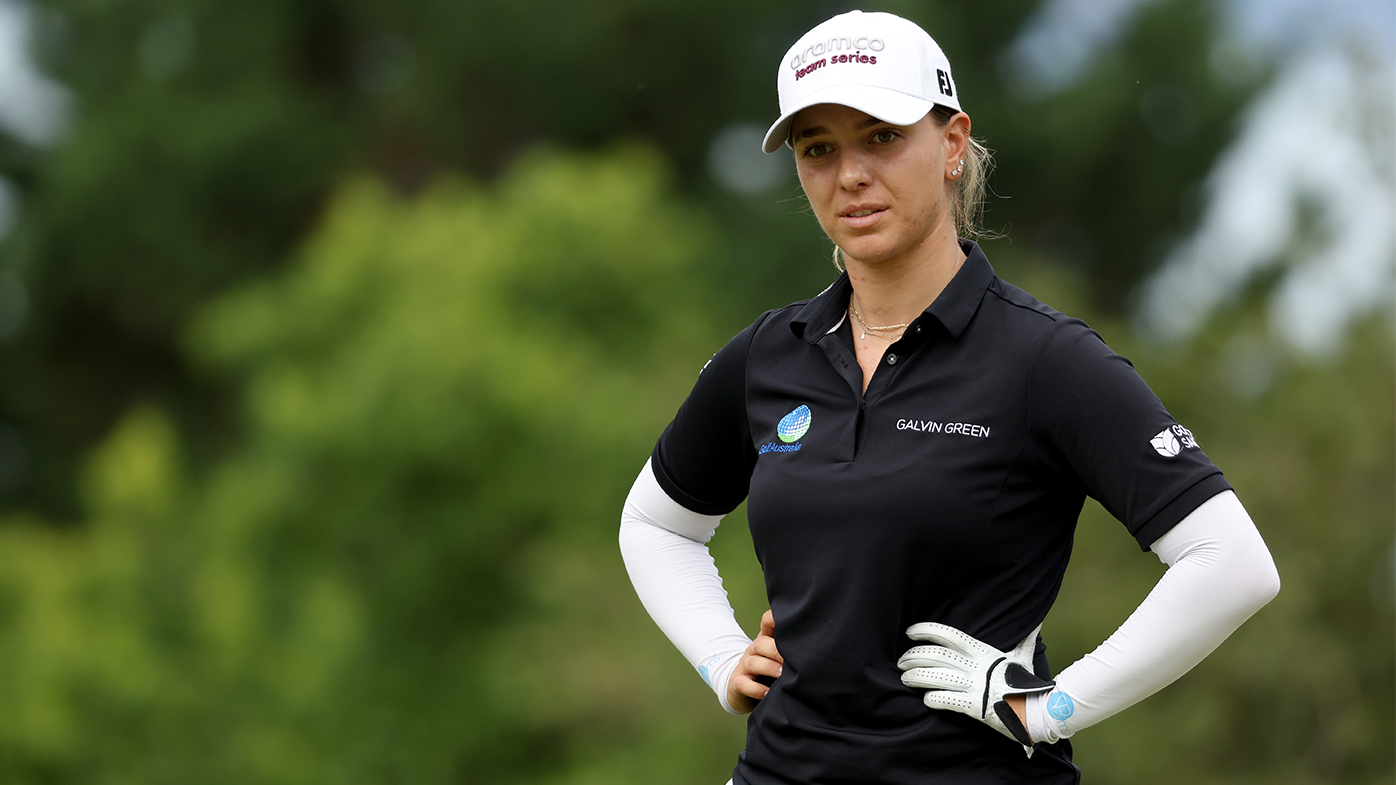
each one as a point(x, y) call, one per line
point(862, 217)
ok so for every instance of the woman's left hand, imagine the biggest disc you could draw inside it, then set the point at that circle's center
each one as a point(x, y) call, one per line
point(761, 658)
point(961, 673)
point(1019, 705)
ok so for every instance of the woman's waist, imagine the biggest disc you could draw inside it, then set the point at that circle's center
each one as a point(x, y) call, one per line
point(843, 698)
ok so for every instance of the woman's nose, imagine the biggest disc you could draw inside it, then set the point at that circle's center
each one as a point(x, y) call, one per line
point(854, 172)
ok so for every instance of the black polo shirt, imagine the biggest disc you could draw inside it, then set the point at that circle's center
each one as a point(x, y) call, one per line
point(948, 493)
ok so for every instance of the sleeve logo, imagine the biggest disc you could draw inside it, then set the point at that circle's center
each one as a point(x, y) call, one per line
point(1060, 706)
point(706, 669)
point(1173, 440)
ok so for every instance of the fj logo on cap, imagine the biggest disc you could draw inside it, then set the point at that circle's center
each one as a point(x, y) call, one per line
point(945, 88)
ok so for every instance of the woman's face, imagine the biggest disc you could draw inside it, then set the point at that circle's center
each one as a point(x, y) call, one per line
point(879, 190)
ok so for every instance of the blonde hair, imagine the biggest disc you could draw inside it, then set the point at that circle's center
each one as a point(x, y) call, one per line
point(967, 191)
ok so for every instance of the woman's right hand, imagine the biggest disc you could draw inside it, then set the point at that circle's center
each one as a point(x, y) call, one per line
point(761, 658)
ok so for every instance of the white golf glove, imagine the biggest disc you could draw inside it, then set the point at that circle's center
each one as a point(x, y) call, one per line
point(966, 675)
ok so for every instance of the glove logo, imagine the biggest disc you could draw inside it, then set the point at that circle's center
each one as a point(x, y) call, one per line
point(1173, 440)
point(1060, 706)
point(794, 425)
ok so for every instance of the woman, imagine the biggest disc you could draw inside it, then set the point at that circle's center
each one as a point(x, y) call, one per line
point(915, 444)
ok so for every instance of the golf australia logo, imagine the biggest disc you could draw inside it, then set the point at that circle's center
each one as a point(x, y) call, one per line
point(1173, 440)
point(794, 425)
point(789, 430)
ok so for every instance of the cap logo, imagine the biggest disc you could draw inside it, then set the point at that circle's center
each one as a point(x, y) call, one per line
point(945, 88)
point(841, 43)
point(856, 57)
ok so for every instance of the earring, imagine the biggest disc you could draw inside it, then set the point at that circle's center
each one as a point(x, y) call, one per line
point(958, 169)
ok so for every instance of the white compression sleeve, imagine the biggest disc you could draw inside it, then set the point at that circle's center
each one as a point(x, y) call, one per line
point(664, 545)
point(1219, 573)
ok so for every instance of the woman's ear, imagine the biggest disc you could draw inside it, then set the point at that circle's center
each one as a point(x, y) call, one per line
point(956, 143)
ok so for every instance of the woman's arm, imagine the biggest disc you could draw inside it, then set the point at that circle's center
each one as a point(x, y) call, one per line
point(665, 549)
point(1219, 573)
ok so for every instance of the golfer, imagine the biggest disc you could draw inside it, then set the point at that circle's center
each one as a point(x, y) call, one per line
point(915, 444)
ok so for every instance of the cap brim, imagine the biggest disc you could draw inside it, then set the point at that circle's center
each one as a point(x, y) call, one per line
point(889, 106)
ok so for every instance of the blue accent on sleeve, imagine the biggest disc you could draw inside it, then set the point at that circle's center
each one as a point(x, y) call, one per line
point(705, 670)
point(1060, 706)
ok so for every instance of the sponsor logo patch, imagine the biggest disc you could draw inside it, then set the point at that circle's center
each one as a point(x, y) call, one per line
point(791, 428)
point(1173, 440)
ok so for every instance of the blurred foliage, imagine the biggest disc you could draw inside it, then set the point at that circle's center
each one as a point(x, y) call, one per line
point(351, 323)
point(208, 135)
point(407, 570)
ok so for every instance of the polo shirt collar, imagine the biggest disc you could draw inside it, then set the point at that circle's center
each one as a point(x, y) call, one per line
point(955, 306)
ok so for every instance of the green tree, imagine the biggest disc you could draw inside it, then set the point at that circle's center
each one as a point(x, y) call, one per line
point(208, 136)
point(334, 381)
point(407, 571)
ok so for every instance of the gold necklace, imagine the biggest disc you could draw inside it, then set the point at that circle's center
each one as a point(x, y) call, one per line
point(867, 328)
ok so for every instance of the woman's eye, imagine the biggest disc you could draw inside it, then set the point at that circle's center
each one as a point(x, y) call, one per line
point(816, 150)
point(884, 136)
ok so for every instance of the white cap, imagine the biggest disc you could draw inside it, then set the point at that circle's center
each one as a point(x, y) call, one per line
point(877, 63)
